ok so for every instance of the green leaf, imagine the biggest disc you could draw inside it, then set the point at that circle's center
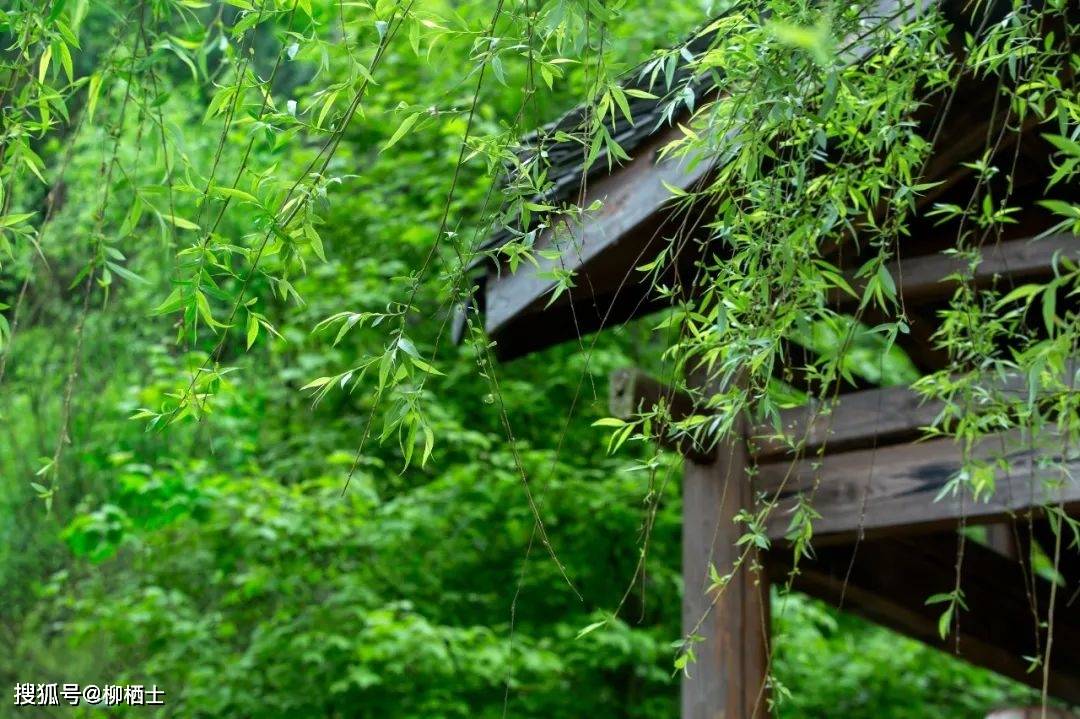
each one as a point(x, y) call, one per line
point(204, 309)
point(429, 444)
point(591, 628)
point(319, 382)
point(674, 189)
point(425, 367)
point(16, 219)
point(232, 193)
point(406, 346)
point(887, 283)
point(180, 222)
point(92, 92)
point(402, 129)
point(1023, 292)
point(944, 621)
point(1064, 144)
point(65, 61)
point(620, 99)
point(1049, 307)
point(1062, 208)
point(170, 304)
point(124, 272)
point(43, 63)
point(252, 330)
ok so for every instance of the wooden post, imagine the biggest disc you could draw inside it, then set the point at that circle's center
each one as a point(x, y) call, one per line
point(1004, 538)
point(728, 679)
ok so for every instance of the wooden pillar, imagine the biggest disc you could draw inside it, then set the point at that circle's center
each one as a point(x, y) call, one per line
point(727, 680)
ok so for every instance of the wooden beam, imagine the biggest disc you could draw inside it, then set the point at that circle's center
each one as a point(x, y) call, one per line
point(582, 314)
point(964, 138)
point(635, 205)
point(630, 197)
point(876, 417)
point(728, 678)
point(889, 581)
point(1007, 539)
point(888, 414)
point(632, 392)
point(896, 488)
point(932, 277)
point(884, 415)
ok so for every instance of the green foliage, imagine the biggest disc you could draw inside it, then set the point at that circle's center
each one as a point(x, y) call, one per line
point(241, 458)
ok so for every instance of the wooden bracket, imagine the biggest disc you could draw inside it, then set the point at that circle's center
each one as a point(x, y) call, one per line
point(632, 392)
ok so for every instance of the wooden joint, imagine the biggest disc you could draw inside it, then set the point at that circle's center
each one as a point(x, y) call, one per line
point(633, 392)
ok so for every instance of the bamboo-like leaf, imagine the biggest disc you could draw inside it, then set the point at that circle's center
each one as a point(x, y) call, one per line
point(402, 129)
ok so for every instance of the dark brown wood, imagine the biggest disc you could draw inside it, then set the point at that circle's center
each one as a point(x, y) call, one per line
point(636, 219)
point(799, 366)
point(918, 342)
point(889, 580)
point(631, 197)
point(965, 136)
point(897, 488)
point(581, 314)
point(876, 417)
point(1068, 559)
point(728, 678)
point(886, 415)
point(603, 247)
point(933, 277)
point(632, 392)
point(1005, 539)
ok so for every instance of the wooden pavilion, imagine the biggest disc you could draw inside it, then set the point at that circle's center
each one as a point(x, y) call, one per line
point(883, 544)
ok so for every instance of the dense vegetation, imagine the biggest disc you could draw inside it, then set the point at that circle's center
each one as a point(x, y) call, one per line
point(175, 509)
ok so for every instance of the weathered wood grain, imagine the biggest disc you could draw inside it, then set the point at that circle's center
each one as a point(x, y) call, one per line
point(634, 200)
point(877, 417)
point(897, 487)
point(933, 277)
point(885, 415)
point(728, 678)
point(630, 197)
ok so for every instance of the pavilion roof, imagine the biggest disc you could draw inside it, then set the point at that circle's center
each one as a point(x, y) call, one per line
point(636, 208)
